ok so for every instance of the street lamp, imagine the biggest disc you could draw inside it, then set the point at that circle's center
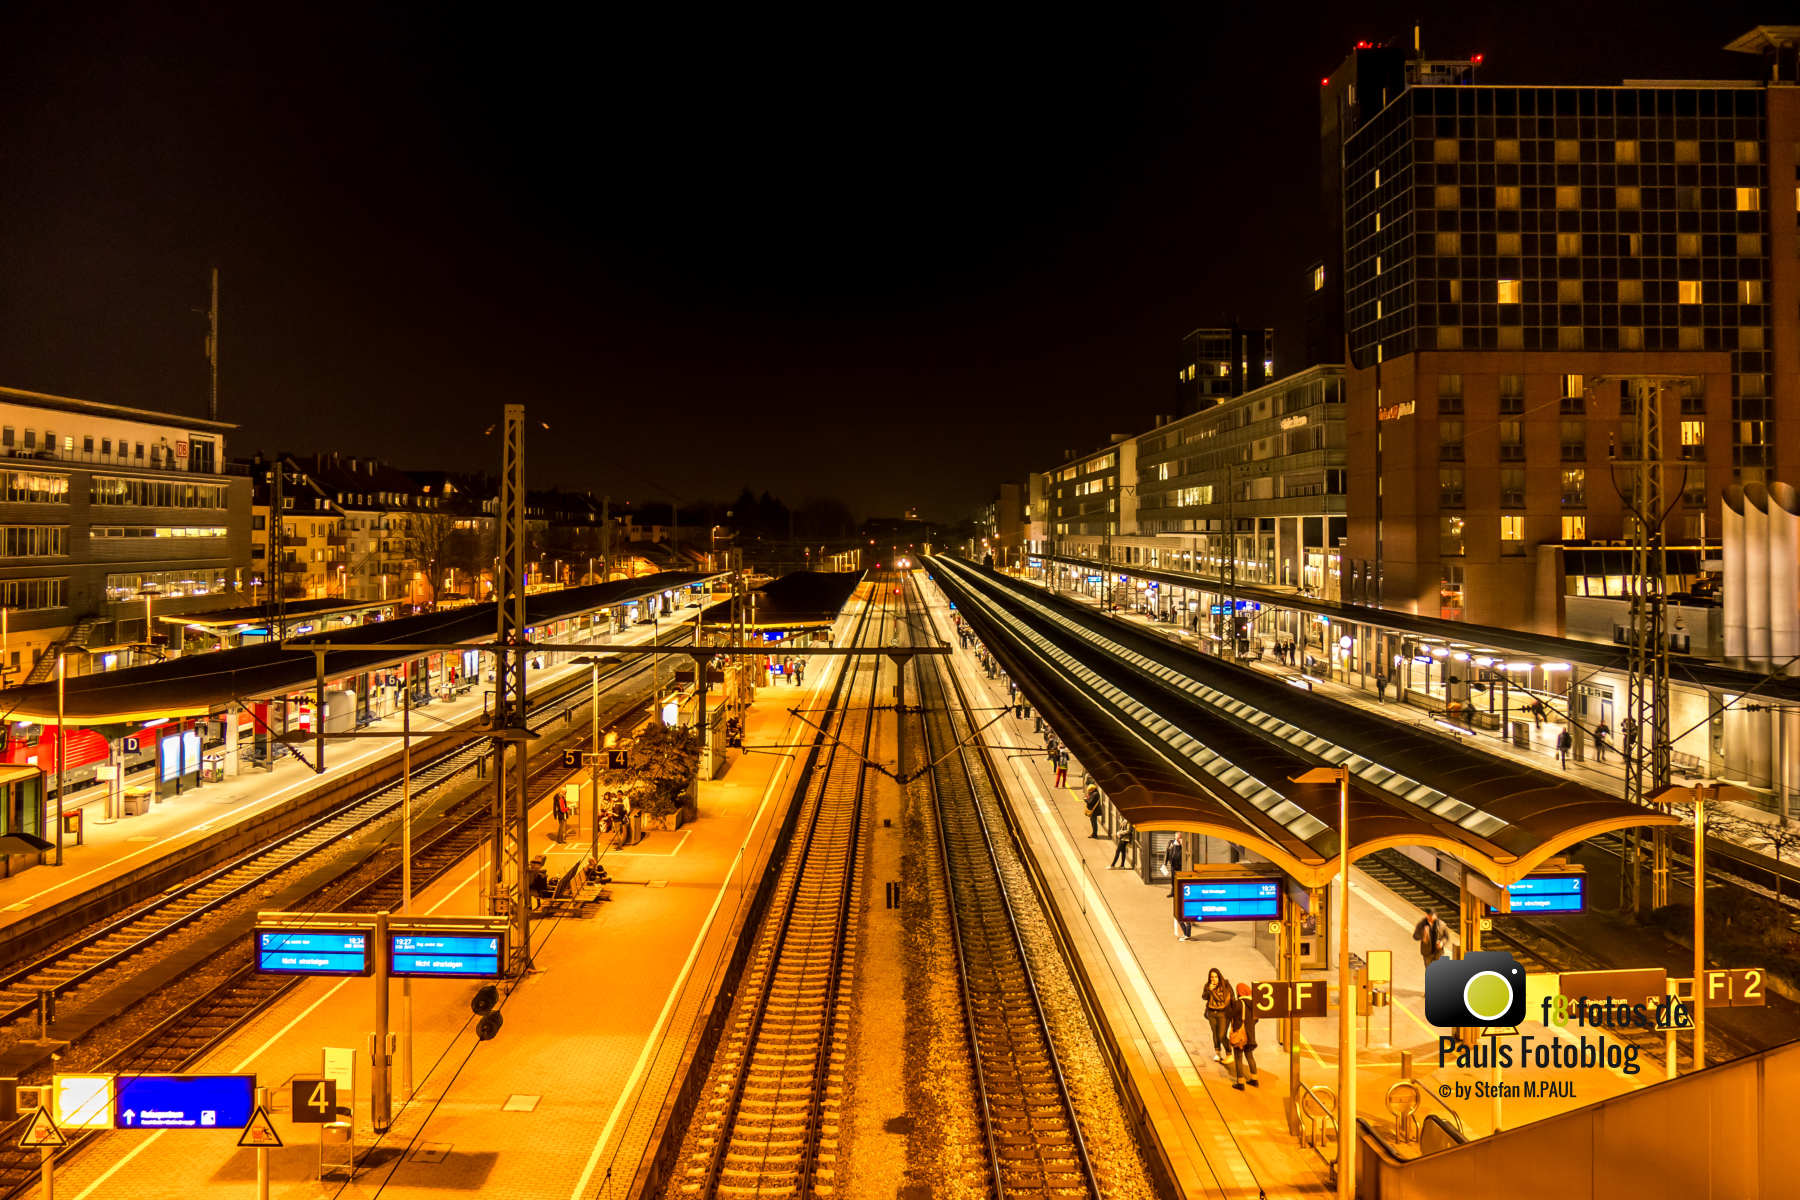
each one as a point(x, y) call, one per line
point(1346, 1114)
point(149, 592)
point(593, 661)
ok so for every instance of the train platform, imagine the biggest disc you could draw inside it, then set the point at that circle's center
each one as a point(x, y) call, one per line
point(112, 849)
point(564, 1099)
point(1219, 1141)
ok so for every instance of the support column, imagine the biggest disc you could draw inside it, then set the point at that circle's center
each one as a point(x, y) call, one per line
point(231, 744)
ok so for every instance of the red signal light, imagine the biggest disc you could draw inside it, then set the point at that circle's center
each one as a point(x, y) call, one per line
point(1476, 59)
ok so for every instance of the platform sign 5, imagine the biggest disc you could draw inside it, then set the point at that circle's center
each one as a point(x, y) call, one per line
point(446, 955)
point(312, 952)
point(184, 1101)
point(1279, 998)
point(315, 1101)
point(1735, 988)
point(571, 758)
point(1228, 899)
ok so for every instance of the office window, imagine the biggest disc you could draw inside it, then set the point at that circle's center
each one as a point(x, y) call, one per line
point(1508, 291)
point(1574, 487)
point(1444, 150)
point(1631, 291)
point(1693, 439)
point(1512, 533)
point(1634, 244)
point(1568, 245)
point(87, 445)
point(1574, 529)
point(1507, 244)
point(1625, 151)
point(1749, 245)
point(1749, 199)
point(1450, 393)
point(1750, 291)
point(1748, 153)
point(26, 487)
point(1568, 291)
point(34, 541)
point(1687, 245)
point(1512, 441)
point(1450, 487)
point(1447, 195)
point(1449, 245)
point(1318, 279)
point(1568, 197)
point(1506, 150)
point(1568, 150)
point(23, 594)
point(1512, 393)
point(1573, 385)
point(1628, 196)
point(1687, 151)
point(1450, 440)
point(1512, 487)
point(1574, 441)
point(1687, 291)
point(1450, 534)
point(1631, 337)
point(1506, 196)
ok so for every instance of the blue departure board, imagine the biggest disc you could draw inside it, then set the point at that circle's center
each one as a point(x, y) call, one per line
point(1549, 894)
point(312, 952)
point(183, 1101)
point(445, 955)
point(1244, 899)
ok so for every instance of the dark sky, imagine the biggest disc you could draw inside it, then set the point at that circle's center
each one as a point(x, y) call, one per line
point(892, 254)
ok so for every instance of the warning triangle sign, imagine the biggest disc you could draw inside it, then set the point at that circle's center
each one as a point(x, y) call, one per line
point(42, 1131)
point(260, 1131)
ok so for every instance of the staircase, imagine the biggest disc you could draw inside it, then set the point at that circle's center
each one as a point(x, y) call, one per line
point(44, 670)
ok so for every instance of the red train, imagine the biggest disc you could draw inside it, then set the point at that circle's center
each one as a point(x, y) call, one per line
point(88, 749)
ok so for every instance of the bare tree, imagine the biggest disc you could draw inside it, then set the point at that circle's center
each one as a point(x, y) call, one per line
point(429, 536)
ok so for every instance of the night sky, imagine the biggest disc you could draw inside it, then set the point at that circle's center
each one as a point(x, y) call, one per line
point(891, 255)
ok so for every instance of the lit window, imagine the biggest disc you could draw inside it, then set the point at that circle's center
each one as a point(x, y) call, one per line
point(1378, 264)
point(1507, 243)
point(1318, 279)
point(1568, 150)
point(1688, 291)
point(1628, 197)
point(1509, 291)
point(1568, 197)
point(1568, 245)
point(1378, 310)
point(1512, 527)
point(1377, 176)
point(1574, 385)
point(1506, 196)
point(1224, 370)
point(1449, 244)
point(1693, 433)
point(1444, 150)
point(1631, 291)
point(1687, 151)
point(1447, 195)
point(1748, 153)
point(1749, 199)
point(1377, 222)
point(1625, 152)
point(1506, 150)
point(1750, 291)
point(1574, 529)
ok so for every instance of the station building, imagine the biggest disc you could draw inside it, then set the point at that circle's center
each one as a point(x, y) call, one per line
point(109, 517)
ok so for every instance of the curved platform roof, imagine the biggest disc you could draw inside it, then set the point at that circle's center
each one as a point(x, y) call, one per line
point(198, 684)
point(1186, 742)
point(798, 600)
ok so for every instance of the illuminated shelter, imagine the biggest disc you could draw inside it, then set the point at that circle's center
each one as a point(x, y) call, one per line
point(198, 684)
point(1184, 742)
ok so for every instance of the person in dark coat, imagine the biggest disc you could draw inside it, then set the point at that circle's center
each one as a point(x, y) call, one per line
point(1090, 804)
point(1172, 856)
point(1241, 1016)
point(1127, 846)
point(1218, 996)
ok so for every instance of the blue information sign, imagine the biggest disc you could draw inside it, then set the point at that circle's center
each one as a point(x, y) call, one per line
point(184, 1101)
point(459, 956)
point(1230, 899)
point(312, 952)
point(1549, 894)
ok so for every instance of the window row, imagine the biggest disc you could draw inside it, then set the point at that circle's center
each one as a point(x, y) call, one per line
point(34, 541)
point(158, 493)
point(1453, 529)
point(158, 531)
point(24, 594)
point(28, 487)
point(198, 581)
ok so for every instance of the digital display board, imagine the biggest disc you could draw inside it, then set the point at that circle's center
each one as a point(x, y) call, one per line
point(1558, 893)
point(452, 955)
point(312, 952)
point(184, 1101)
point(1228, 899)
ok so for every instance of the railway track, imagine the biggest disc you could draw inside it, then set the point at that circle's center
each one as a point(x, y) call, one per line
point(181, 1038)
point(768, 1122)
point(1034, 1141)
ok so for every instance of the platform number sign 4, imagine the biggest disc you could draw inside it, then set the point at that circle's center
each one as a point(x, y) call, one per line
point(315, 1101)
point(618, 760)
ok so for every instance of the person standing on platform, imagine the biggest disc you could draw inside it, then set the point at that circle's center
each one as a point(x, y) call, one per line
point(1601, 733)
point(1240, 1032)
point(1172, 856)
point(1127, 847)
point(1061, 759)
point(1090, 804)
point(1218, 996)
point(1380, 688)
point(1433, 937)
point(1563, 742)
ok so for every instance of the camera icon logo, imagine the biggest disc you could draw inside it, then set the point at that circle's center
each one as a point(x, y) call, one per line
point(1483, 988)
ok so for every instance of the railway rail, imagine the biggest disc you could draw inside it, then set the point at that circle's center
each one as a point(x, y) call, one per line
point(1034, 1140)
point(181, 1038)
point(769, 1120)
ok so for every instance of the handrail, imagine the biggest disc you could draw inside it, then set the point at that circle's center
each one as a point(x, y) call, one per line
point(1431, 1095)
point(1308, 1092)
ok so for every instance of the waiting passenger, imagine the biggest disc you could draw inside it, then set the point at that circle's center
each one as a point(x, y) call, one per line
point(1241, 1034)
point(1218, 1010)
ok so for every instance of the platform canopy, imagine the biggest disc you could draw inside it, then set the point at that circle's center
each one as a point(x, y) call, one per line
point(1183, 741)
point(796, 601)
point(197, 684)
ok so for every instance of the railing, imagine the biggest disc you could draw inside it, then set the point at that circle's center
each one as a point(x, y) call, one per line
point(161, 462)
point(1312, 1129)
point(1408, 1128)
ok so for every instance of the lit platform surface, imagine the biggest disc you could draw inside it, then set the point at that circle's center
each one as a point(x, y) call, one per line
point(563, 1101)
point(110, 850)
point(1218, 1141)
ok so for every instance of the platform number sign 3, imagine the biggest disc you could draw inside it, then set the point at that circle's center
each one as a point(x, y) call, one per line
point(315, 1101)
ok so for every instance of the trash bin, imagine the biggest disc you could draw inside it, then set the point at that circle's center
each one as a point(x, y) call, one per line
point(635, 830)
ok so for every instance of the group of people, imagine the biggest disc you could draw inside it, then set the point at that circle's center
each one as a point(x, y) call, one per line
point(1231, 1016)
point(1284, 653)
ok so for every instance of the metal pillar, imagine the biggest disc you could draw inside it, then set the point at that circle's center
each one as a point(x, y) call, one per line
point(512, 827)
